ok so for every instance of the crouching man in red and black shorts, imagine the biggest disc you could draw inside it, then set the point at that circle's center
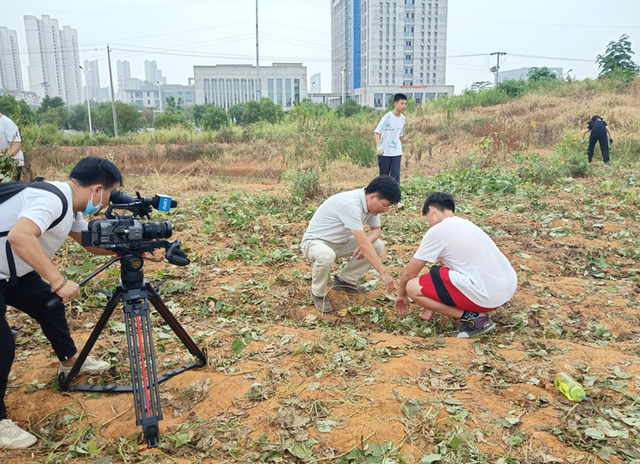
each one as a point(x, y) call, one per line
point(474, 279)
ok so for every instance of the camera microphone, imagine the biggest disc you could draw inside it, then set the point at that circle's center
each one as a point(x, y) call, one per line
point(158, 202)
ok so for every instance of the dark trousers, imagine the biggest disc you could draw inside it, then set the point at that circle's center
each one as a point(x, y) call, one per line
point(30, 296)
point(604, 146)
point(390, 166)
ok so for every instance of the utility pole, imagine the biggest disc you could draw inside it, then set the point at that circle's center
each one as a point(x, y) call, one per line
point(113, 97)
point(258, 86)
point(496, 69)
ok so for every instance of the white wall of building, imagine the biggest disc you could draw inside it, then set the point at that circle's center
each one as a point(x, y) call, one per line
point(227, 85)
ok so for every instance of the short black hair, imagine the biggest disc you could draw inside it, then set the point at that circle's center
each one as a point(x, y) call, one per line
point(399, 96)
point(93, 170)
point(440, 201)
point(386, 187)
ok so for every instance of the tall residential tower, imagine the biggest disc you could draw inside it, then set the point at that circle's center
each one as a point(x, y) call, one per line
point(10, 69)
point(54, 59)
point(381, 47)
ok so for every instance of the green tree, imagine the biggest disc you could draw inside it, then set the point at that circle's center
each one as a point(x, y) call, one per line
point(214, 118)
point(198, 111)
point(129, 119)
point(17, 110)
point(536, 74)
point(269, 111)
point(169, 118)
point(251, 113)
point(58, 115)
point(616, 62)
point(50, 102)
point(78, 118)
point(264, 110)
point(52, 110)
point(350, 108)
point(308, 109)
point(236, 111)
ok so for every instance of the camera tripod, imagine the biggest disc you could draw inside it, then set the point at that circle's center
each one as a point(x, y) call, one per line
point(136, 293)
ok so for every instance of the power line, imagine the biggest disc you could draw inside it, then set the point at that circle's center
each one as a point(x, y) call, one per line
point(553, 58)
point(590, 26)
point(296, 28)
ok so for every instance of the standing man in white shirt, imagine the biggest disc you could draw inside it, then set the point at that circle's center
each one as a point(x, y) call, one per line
point(34, 224)
point(337, 230)
point(10, 142)
point(388, 135)
point(475, 277)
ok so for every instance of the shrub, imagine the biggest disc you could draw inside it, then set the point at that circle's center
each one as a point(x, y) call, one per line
point(357, 147)
point(304, 184)
point(170, 118)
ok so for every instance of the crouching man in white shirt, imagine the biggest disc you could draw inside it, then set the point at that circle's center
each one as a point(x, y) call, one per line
point(475, 277)
point(337, 230)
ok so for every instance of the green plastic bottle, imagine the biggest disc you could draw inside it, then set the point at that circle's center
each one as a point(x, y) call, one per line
point(569, 387)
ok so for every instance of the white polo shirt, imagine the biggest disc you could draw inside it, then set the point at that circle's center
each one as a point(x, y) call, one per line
point(338, 215)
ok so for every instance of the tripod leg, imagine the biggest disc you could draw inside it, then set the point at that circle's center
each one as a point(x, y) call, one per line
point(111, 305)
point(177, 328)
point(144, 377)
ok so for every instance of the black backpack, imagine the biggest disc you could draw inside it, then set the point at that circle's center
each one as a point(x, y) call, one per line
point(10, 189)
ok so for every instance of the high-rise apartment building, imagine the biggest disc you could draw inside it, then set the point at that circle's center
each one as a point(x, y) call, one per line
point(92, 79)
point(123, 73)
point(10, 69)
point(54, 59)
point(152, 74)
point(381, 47)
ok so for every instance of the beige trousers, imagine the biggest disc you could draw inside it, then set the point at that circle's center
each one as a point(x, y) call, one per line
point(324, 254)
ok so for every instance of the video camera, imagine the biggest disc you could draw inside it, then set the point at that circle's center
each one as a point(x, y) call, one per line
point(123, 232)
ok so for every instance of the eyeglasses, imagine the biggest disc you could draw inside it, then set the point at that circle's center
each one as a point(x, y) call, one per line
point(385, 205)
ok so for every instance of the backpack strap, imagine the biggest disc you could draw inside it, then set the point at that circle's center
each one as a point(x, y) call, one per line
point(38, 184)
point(56, 191)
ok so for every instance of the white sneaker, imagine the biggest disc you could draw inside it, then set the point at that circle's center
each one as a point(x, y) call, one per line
point(13, 437)
point(90, 366)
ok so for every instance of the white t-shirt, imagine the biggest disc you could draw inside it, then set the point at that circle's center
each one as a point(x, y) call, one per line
point(477, 267)
point(391, 128)
point(9, 133)
point(338, 215)
point(43, 208)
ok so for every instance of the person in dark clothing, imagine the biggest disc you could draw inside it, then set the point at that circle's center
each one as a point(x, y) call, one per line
point(600, 132)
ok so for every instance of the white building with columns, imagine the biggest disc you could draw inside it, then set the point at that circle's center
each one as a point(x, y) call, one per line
point(225, 85)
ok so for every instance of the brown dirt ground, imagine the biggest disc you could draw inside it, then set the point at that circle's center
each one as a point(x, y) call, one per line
point(365, 402)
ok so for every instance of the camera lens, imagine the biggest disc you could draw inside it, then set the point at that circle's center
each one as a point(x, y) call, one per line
point(154, 230)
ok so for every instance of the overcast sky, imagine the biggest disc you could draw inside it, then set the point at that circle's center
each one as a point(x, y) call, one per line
point(179, 34)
